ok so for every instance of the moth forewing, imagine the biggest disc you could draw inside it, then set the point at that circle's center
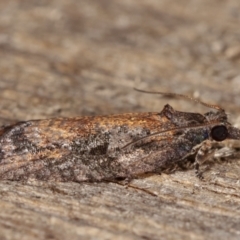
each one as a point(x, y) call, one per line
point(108, 147)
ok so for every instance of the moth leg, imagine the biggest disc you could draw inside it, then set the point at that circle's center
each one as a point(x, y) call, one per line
point(203, 154)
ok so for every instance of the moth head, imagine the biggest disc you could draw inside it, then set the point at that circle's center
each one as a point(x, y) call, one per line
point(233, 132)
point(222, 132)
point(220, 128)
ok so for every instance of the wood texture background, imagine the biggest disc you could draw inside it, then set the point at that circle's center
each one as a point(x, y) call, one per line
point(83, 57)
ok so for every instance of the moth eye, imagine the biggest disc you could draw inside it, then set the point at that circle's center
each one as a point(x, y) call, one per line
point(219, 133)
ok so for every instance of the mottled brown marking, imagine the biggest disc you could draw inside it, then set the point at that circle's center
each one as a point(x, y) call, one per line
point(103, 147)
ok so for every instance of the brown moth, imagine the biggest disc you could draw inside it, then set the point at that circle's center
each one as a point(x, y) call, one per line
point(97, 148)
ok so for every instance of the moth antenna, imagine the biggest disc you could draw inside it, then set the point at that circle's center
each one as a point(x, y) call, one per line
point(182, 96)
point(172, 129)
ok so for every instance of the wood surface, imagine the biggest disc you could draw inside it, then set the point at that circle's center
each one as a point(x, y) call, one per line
point(79, 57)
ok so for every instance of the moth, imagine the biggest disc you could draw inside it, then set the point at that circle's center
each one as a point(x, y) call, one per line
point(97, 148)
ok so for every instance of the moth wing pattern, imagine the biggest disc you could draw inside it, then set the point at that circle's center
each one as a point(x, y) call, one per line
point(102, 147)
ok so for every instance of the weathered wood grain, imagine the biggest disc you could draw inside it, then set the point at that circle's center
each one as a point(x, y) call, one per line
point(70, 58)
